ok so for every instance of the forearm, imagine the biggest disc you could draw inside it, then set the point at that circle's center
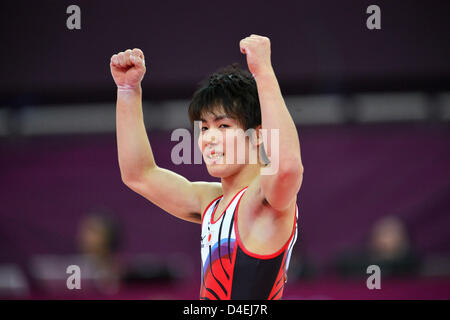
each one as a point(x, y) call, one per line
point(135, 153)
point(281, 183)
point(275, 115)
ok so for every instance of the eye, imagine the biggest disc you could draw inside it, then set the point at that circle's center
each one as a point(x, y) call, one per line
point(204, 128)
point(224, 126)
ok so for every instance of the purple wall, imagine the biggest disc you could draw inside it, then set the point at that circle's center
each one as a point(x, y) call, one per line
point(317, 46)
point(353, 175)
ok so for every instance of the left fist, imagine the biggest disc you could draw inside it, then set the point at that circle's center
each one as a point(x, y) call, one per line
point(257, 50)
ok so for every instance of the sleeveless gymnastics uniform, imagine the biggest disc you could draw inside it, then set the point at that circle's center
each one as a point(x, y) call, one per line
point(230, 271)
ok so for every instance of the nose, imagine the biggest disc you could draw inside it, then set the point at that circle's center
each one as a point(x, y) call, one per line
point(212, 136)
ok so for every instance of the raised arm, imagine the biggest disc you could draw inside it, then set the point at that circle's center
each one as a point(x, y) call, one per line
point(166, 189)
point(281, 188)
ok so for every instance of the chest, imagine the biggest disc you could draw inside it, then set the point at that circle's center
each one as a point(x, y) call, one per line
point(218, 235)
point(221, 219)
point(221, 207)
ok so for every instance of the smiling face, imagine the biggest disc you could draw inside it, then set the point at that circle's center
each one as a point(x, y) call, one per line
point(224, 145)
point(227, 106)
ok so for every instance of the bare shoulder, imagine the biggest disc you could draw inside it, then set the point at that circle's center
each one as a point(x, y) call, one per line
point(254, 198)
point(207, 192)
point(263, 229)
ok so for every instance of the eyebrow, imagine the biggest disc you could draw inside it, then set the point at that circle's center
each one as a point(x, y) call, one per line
point(218, 118)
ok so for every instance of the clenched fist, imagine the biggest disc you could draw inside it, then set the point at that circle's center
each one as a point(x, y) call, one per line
point(257, 50)
point(128, 68)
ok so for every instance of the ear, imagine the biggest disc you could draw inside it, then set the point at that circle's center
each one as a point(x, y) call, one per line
point(257, 138)
point(257, 141)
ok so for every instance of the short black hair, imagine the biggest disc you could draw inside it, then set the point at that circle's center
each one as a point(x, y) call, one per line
point(232, 88)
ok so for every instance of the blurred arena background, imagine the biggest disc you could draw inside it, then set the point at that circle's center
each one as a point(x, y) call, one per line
point(372, 109)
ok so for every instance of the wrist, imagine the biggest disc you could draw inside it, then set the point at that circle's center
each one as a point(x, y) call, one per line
point(127, 89)
point(265, 73)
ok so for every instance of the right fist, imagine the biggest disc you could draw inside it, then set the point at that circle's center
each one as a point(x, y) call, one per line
point(128, 68)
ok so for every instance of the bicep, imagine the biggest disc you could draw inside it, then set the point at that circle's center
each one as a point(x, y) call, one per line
point(172, 192)
point(281, 189)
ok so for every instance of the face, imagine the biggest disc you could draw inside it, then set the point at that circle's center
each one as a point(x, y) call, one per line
point(389, 236)
point(224, 144)
point(92, 236)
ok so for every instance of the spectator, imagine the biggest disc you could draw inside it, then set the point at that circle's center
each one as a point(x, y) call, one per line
point(388, 246)
point(98, 240)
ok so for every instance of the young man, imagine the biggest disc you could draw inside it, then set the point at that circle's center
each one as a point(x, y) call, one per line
point(249, 220)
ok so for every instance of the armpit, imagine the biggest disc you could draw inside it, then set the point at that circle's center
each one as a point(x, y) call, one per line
point(195, 216)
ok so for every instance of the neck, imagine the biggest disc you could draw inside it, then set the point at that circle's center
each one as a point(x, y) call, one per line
point(234, 183)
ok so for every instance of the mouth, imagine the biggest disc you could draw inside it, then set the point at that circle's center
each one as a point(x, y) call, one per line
point(214, 156)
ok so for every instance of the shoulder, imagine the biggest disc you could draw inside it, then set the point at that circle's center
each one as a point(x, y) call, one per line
point(262, 229)
point(254, 198)
point(207, 192)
